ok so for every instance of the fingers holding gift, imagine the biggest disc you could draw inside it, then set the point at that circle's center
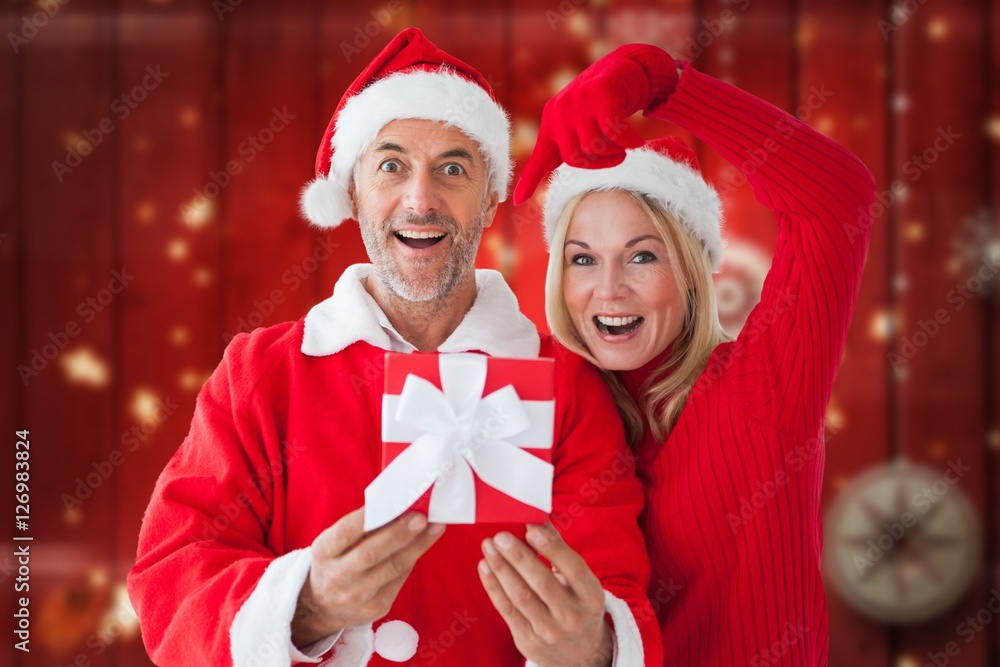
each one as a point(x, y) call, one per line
point(515, 620)
point(357, 583)
point(542, 578)
point(341, 536)
point(392, 550)
point(534, 631)
point(527, 582)
point(397, 565)
point(577, 577)
point(549, 623)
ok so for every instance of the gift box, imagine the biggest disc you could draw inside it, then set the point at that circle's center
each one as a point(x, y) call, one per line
point(466, 438)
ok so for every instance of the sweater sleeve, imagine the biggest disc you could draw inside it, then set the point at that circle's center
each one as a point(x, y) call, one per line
point(596, 502)
point(203, 543)
point(821, 196)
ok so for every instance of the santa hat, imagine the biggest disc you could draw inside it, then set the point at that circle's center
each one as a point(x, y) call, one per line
point(664, 170)
point(410, 78)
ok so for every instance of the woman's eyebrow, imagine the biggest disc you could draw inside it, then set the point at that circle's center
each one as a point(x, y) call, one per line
point(643, 238)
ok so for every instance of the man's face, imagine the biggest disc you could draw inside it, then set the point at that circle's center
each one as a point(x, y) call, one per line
point(422, 196)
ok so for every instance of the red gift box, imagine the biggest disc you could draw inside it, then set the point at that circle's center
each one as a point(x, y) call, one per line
point(467, 438)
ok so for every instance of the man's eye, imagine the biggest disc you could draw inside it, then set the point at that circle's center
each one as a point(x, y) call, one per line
point(453, 169)
point(390, 166)
point(582, 260)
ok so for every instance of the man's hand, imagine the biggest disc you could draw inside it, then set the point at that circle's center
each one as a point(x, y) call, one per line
point(556, 616)
point(355, 577)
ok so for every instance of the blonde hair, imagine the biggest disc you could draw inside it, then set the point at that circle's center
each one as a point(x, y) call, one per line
point(665, 391)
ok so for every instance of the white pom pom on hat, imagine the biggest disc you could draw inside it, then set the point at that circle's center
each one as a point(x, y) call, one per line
point(664, 170)
point(325, 203)
point(409, 78)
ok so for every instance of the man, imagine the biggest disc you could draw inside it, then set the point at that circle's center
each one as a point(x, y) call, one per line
point(288, 429)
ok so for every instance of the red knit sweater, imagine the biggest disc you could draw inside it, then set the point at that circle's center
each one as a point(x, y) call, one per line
point(733, 520)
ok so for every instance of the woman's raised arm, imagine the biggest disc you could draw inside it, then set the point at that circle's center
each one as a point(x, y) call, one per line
point(819, 192)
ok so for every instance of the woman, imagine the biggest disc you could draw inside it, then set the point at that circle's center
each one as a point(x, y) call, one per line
point(728, 434)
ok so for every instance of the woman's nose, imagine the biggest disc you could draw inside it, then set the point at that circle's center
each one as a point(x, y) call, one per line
point(611, 284)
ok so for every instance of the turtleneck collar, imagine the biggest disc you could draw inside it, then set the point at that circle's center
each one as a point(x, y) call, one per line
point(634, 379)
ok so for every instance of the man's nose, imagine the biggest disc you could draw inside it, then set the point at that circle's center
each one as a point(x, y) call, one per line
point(421, 194)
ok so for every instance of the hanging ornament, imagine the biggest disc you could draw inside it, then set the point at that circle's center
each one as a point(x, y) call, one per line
point(902, 541)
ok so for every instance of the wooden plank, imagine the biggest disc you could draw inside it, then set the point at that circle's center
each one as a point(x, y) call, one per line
point(351, 36)
point(755, 52)
point(169, 150)
point(840, 52)
point(991, 23)
point(12, 299)
point(939, 158)
point(70, 259)
point(479, 35)
point(270, 104)
point(550, 45)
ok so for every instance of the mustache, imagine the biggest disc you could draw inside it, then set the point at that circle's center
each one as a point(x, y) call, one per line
point(430, 220)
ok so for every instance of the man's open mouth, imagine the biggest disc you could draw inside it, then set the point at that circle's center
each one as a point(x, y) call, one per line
point(419, 240)
point(617, 326)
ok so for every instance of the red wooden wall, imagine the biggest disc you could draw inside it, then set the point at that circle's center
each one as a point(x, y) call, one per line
point(202, 266)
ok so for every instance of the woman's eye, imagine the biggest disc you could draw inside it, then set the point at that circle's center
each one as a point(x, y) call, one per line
point(390, 166)
point(644, 258)
point(454, 169)
point(582, 260)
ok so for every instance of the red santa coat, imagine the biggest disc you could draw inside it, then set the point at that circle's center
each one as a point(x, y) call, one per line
point(284, 440)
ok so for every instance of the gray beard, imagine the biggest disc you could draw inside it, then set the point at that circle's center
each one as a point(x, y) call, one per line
point(459, 262)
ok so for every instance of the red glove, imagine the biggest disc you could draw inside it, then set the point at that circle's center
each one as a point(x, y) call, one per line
point(586, 124)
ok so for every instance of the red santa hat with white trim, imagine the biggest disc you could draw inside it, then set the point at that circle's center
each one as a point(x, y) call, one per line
point(666, 171)
point(410, 78)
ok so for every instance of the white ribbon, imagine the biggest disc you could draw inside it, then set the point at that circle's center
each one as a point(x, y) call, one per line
point(458, 431)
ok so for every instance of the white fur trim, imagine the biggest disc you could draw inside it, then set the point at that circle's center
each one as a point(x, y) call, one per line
point(261, 633)
point(325, 203)
point(442, 96)
point(314, 652)
point(494, 324)
point(396, 641)
point(675, 186)
point(628, 640)
point(355, 648)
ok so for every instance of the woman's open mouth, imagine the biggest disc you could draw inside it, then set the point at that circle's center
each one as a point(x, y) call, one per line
point(419, 240)
point(617, 326)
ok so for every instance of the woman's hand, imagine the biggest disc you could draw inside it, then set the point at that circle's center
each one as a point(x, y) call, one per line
point(556, 616)
point(586, 124)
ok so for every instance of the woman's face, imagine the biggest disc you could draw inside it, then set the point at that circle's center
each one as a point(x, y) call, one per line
point(618, 282)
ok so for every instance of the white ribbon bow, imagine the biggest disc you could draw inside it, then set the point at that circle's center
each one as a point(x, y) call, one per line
point(459, 430)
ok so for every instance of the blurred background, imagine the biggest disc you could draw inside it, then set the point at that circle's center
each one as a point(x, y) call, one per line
point(152, 161)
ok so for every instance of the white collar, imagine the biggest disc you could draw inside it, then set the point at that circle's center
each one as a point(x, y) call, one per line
point(494, 324)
